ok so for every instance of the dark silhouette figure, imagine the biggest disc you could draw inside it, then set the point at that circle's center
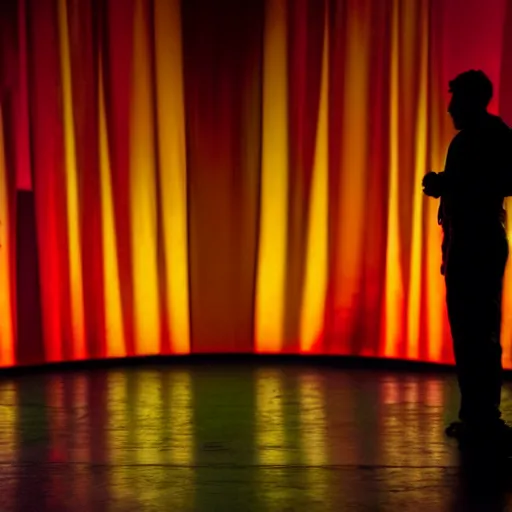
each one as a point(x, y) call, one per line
point(472, 188)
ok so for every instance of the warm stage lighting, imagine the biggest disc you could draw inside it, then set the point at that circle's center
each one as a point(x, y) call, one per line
point(234, 176)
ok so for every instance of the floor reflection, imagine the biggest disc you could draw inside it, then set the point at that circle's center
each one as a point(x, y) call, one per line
point(9, 421)
point(272, 451)
point(118, 431)
point(180, 446)
point(228, 438)
point(313, 438)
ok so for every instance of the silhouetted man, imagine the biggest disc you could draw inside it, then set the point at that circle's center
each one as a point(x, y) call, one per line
point(472, 188)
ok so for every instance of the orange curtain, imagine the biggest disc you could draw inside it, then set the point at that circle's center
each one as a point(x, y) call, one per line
point(235, 176)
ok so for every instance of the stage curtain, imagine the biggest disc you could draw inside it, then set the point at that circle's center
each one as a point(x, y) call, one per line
point(236, 176)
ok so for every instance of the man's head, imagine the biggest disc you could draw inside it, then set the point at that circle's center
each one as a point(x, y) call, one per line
point(471, 93)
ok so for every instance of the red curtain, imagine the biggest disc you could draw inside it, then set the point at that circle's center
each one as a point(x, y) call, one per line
point(235, 176)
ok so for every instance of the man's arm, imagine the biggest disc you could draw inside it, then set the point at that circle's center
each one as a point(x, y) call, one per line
point(438, 184)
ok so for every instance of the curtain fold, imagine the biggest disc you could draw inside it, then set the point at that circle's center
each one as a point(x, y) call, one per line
point(7, 241)
point(222, 52)
point(235, 176)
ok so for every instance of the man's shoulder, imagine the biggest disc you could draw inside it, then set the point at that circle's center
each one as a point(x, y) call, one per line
point(497, 122)
point(493, 131)
point(499, 134)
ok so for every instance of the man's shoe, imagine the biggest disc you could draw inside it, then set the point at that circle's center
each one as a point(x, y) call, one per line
point(487, 440)
point(454, 429)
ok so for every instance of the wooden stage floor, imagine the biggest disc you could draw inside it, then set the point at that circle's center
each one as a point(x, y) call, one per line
point(234, 437)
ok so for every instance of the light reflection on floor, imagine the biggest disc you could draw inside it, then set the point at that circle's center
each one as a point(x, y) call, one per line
point(229, 438)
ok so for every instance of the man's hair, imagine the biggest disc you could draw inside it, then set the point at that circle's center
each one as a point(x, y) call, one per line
point(474, 85)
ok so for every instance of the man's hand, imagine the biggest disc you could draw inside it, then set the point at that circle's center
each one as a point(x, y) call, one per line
point(433, 184)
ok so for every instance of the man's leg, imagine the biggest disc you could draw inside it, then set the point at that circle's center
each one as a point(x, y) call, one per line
point(474, 308)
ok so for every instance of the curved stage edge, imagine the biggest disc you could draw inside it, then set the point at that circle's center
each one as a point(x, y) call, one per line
point(341, 362)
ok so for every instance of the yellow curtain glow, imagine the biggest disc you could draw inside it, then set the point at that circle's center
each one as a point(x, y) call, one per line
point(237, 177)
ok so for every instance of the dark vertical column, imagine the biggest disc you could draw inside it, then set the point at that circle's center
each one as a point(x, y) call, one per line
point(222, 72)
point(29, 347)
